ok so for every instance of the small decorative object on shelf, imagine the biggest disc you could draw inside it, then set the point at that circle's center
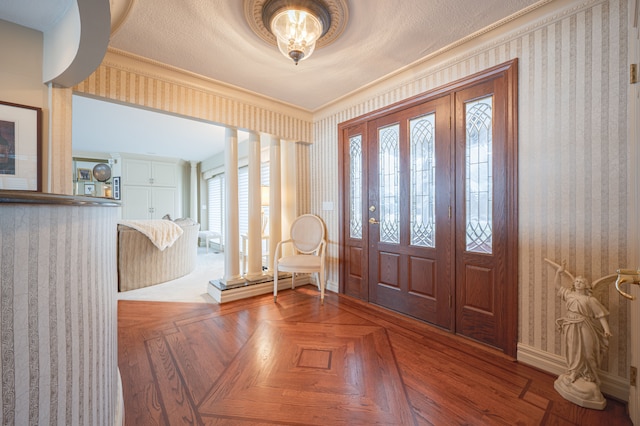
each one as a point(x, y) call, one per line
point(586, 338)
point(102, 172)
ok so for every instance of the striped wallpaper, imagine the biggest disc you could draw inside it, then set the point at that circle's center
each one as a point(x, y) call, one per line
point(58, 343)
point(573, 169)
point(151, 85)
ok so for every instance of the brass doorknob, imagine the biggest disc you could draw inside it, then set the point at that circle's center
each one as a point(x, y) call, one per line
point(373, 221)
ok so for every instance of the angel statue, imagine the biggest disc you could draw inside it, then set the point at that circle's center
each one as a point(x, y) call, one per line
point(586, 332)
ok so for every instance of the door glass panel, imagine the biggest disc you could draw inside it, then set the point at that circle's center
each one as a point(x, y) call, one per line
point(479, 190)
point(423, 186)
point(355, 186)
point(389, 163)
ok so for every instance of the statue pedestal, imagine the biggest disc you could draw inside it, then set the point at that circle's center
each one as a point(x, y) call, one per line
point(583, 393)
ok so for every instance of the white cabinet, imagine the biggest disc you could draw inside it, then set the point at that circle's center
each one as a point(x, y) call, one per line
point(145, 172)
point(145, 202)
point(149, 189)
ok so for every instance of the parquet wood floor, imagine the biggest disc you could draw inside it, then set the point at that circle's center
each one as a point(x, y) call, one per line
point(298, 362)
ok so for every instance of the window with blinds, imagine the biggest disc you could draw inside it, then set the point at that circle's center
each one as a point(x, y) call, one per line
point(216, 204)
point(217, 197)
point(243, 199)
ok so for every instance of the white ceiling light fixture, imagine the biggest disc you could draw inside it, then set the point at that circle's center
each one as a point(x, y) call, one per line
point(297, 26)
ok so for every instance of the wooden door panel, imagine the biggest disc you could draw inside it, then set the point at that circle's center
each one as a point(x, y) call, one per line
point(479, 288)
point(482, 286)
point(422, 277)
point(389, 269)
point(354, 253)
point(409, 275)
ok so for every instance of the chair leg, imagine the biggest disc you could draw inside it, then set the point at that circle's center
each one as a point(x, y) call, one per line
point(322, 286)
point(293, 280)
point(275, 285)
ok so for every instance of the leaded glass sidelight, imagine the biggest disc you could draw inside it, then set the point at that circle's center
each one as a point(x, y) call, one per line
point(355, 186)
point(479, 188)
point(389, 169)
point(423, 187)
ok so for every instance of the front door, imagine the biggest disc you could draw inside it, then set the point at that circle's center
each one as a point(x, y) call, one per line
point(429, 223)
point(409, 195)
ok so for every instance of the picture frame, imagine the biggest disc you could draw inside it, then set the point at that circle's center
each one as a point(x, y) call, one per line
point(89, 188)
point(116, 188)
point(20, 147)
point(84, 174)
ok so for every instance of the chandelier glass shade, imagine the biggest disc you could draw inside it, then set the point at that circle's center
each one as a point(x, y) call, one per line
point(296, 32)
point(296, 25)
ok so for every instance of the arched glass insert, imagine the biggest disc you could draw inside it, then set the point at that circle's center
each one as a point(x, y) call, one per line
point(355, 186)
point(479, 188)
point(389, 169)
point(423, 186)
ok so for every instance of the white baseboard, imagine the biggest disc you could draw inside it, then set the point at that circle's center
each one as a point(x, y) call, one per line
point(611, 385)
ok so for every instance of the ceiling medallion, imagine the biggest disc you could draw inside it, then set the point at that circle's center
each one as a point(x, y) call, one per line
point(301, 25)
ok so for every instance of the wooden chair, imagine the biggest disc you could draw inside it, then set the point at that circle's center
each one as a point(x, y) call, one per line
point(307, 238)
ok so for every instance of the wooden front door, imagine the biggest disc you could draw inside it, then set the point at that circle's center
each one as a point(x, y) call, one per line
point(429, 223)
point(409, 194)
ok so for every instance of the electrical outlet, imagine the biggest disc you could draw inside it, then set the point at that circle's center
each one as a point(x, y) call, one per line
point(633, 375)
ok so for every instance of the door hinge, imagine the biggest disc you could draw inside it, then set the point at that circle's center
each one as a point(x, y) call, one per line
point(449, 122)
point(633, 73)
point(633, 375)
point(449, 212)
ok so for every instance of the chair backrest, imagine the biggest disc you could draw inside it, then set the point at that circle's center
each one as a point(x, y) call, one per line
point(307, 232)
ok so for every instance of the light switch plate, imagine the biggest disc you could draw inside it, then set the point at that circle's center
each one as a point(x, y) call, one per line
point(327, 205)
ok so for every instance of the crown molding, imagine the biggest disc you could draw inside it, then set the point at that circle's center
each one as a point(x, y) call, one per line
point(130, 62)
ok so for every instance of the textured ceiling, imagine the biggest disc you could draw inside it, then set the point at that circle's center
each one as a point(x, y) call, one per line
point(213, 39)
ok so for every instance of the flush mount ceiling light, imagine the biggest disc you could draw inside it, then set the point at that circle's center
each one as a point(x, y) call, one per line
point(297, 27)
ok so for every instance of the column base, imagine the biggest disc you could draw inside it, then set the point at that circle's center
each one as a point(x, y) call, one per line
point(257, 278)
point(226, 292)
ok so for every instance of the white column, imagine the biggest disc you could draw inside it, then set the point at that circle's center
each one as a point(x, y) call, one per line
point(254, 237)
point(194, 191)
point(232, 226)
point(288, 185)
point(275, 211)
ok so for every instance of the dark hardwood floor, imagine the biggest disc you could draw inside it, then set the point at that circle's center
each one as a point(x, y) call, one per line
point(298, 362)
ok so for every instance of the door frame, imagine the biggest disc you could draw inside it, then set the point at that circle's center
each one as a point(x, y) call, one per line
point(508, 70)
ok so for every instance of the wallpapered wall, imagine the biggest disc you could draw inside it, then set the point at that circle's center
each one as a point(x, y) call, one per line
point(58, 343)
point(572, 186)
point(152, 85)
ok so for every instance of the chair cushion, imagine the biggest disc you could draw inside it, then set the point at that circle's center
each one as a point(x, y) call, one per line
point(299, 263)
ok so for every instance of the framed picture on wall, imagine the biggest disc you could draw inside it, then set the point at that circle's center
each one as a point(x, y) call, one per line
point(20, 147)
point(89, 189)
point(84, 174)
point(116, 188)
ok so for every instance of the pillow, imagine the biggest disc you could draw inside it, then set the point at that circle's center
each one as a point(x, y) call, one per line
point(184, 221)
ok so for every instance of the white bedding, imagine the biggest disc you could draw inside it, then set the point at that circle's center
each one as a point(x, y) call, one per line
point(162, 233)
